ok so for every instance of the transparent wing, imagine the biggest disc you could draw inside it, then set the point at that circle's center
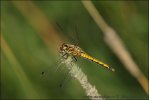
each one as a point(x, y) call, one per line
point(68, 76)
point(49, 73)
point(71, 32)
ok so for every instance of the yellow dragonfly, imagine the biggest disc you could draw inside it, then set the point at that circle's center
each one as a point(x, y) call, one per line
point(67, 50)
point(76, 51)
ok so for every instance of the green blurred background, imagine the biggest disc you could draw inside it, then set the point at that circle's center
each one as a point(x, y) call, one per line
point(27, 54)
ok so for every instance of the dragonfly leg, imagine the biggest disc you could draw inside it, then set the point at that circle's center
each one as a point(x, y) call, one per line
point(64, 57)
point(74, 58)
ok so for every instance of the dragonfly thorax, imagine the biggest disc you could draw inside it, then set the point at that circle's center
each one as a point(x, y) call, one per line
point(71, 49)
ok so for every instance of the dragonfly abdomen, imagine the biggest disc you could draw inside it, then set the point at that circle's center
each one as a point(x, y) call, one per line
point(84, 55)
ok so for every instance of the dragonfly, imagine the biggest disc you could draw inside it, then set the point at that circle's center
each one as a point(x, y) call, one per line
point(76, 51)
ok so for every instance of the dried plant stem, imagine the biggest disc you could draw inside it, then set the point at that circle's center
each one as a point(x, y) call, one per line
point(117, 45)
point(77, 73)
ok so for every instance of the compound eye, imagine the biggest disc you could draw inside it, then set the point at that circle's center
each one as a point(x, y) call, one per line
point(65, 45)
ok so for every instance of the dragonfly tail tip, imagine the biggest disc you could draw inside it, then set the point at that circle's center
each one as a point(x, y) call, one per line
point(112, 69)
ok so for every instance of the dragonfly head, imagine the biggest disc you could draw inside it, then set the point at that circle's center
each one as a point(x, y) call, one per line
point(64, 46)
